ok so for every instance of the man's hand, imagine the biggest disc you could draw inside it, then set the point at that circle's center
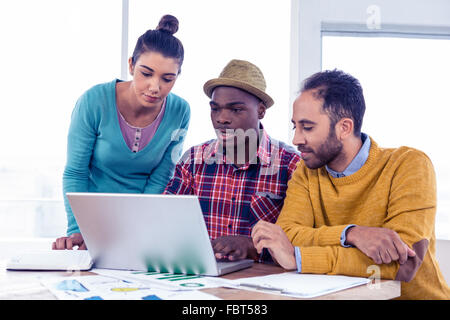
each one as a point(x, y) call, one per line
point(271, 236)
point(382, 245)
point(234, 248)
point(75, 239)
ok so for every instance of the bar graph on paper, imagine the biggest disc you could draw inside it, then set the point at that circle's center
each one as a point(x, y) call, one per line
point(182, 280)
point(162, 280)
point(102, 287)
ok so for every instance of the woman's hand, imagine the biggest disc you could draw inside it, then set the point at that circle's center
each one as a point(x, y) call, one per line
point(63, 243)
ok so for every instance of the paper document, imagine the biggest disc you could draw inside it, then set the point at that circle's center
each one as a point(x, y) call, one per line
point(167, 281)
point(96, 287)
point(300, 285)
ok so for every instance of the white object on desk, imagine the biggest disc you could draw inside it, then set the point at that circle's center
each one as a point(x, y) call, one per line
point(51, 260)
point(300, 285)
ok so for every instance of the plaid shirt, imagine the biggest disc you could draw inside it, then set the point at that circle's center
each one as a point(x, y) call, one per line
point(233, 199)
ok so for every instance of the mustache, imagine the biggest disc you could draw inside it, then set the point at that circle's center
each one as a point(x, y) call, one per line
point(302, 148)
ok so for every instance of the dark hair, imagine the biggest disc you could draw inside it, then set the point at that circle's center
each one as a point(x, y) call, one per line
point(342, 94)
point(161, 40)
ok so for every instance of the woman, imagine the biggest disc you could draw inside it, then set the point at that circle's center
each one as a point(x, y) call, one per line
point(126, 136)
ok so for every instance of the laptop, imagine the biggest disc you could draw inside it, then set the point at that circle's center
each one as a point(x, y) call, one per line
point(147, 232)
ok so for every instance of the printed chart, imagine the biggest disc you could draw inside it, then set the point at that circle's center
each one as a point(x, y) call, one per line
point(100, 287)
point(168, 281)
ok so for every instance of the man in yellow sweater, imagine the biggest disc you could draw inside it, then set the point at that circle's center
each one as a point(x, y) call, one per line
point(352, 204)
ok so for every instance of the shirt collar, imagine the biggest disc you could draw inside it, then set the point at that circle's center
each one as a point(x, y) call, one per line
point(357, 162)
point(263, 153)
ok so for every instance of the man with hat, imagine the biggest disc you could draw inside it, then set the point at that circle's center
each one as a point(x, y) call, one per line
point(240, 177)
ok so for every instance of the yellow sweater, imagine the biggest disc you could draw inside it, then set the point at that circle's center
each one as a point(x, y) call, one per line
point(395, 189)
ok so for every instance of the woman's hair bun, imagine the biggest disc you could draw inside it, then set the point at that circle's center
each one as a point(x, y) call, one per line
point(168, 23)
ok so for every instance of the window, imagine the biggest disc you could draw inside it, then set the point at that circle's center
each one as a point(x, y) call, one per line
point(215, 32)
point(55, 50)
point(405, 84)
point(52, 51)
point(394, 48)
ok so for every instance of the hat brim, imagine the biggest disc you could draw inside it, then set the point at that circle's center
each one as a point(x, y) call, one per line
point(210, 85)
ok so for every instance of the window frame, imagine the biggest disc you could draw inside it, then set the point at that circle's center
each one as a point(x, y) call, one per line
point(311, 19)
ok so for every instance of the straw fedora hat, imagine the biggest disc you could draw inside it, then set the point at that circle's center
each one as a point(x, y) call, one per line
point(242, 75)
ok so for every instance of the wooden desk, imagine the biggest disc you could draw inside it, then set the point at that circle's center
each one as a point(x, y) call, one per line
point(25, 285)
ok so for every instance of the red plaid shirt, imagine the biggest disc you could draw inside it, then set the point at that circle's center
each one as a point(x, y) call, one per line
point(233, 199)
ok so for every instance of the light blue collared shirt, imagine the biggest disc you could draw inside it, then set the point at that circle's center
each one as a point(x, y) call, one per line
point(358, 161)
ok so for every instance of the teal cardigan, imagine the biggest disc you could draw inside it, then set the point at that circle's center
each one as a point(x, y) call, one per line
point(99, 160)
